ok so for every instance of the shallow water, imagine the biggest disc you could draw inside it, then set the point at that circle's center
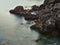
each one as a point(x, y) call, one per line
point(15, 30)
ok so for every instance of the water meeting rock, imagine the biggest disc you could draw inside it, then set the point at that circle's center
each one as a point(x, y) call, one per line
point(46, 17)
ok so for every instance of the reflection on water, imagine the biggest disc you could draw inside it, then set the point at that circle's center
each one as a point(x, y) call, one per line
point(15, 30)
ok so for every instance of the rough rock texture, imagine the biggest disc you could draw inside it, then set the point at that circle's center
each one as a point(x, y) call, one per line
point(46, 17)
point(35, 8)
point(49, 15)
point(30, 17)
point(27, 14)
point(18, 10)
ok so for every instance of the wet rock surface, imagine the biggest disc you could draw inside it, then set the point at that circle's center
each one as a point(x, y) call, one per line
point(46, 17)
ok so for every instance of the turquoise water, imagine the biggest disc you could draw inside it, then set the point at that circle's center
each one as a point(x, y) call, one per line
point(15, 30)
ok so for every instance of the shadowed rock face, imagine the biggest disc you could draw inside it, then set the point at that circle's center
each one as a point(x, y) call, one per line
point(47, 17)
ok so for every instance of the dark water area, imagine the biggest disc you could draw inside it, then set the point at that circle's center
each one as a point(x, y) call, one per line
point(15, 30)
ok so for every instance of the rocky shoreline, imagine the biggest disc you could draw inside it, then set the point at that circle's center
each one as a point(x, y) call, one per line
point(29, 14)
point(46, 17)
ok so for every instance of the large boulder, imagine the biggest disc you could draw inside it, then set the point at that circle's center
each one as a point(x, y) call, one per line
point(18, 10)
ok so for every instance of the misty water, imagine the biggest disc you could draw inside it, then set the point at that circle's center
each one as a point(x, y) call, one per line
point(15, 30)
